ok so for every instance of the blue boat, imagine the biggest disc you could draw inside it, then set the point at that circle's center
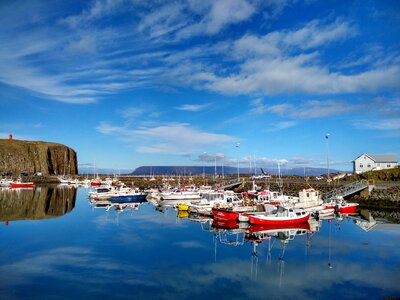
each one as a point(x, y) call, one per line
point(136, 198)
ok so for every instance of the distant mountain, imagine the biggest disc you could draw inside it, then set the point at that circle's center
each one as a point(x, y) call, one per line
point(195, 170)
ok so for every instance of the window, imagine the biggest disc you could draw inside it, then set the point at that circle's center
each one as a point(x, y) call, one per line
point(369, 166)
point(388, 165)
point(361, 166)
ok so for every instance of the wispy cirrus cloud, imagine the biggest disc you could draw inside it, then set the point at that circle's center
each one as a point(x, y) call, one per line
point(85, 56)
point(306, 109)
point(170, 138)
point(193, 107)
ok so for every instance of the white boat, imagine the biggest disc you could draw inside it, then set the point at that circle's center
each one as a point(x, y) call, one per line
point(67, 180)
point(214, 199)
point(105, 192)
point(4, 182)
point(183, 193)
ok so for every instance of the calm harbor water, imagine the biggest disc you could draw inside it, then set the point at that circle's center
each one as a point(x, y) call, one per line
point(55, 244)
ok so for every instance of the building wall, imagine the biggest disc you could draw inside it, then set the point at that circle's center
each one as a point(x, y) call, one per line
point(364, 164)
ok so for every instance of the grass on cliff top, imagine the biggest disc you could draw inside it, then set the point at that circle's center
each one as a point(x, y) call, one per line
point(7, 142)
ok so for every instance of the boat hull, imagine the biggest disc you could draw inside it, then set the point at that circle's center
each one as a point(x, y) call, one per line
point(271, 220)
point(228, 215)
point(22, 185)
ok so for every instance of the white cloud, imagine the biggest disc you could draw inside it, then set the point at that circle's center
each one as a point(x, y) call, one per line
point(192, 107)
point(175, 138)
point(258, 106)
point(282, 125)
point(219, 14)
point(389, 124)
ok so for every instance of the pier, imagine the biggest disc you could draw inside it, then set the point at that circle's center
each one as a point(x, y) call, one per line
point(346, 190)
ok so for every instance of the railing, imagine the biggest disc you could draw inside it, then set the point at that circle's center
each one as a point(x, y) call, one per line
point(346, 190)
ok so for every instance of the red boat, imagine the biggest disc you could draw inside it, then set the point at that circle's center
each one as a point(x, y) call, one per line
point(282, 216)
point(22, 185)
point(343, 206)
point(225, 214)
point(347, 208)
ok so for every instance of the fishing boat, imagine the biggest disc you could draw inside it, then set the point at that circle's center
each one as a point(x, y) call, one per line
point(234, 212)
point(342, 206)
point(280, 216)
point(4, 182)
point(345, 207)
point(95, 182)
point(212, 200)
point(20, 184)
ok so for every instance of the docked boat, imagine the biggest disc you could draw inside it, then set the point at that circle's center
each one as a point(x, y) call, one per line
point(105, 192)
point(20, 184)
point(232, 213)
point(345, 207)
point(67, 180)
point(212, 200)
point(280, 216)
point(342, 206)
point(4, 182)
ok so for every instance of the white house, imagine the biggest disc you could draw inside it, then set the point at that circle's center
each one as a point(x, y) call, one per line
point(368, 162)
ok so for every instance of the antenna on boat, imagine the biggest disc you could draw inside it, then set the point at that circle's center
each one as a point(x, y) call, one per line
point(329, 248)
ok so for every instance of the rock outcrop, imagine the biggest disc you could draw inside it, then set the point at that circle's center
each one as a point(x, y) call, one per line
point(29, 156)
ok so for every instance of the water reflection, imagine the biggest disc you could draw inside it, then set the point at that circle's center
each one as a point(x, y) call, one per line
point(154, 255)
point(118, 207)
point(34, 204)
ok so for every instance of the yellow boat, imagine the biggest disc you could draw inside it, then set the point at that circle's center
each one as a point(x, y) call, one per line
point(183, 207)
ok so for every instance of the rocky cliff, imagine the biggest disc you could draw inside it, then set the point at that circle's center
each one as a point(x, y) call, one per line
point(28, 156)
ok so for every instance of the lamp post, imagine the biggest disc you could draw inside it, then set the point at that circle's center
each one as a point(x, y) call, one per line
point(237, 146)
point(327, 155)
point(215, 166)
point(204, 172)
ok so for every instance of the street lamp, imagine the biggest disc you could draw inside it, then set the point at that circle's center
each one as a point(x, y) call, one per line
point(327, 155)
point(204, 172)
point(237, 146)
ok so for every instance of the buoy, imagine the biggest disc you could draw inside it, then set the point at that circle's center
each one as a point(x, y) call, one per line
point(6, 222)
point(10, 136)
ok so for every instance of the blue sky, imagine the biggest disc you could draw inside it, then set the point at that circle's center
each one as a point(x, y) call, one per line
point(129, 83)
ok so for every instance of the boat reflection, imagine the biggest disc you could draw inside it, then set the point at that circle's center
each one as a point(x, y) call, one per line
point(35, 204)
point(118, 207)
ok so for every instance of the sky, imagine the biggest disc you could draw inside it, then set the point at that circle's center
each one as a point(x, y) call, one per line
point(128, 83)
